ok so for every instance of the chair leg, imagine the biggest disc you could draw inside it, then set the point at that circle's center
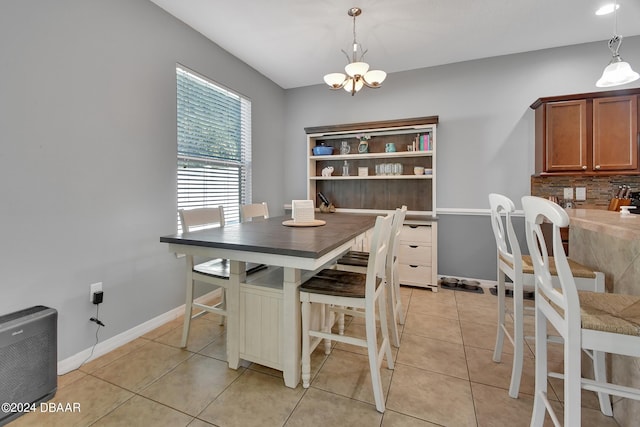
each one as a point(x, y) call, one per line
point(398, 303)
point(539, 408)
point(306, 355)
point(392, 312)
point(600, 375)
point(223, 304)
point(518, 339)
point(382, 305)
point(497, 352)
point(372, 351)
point(188, 305)
point(572, 378)
point(327, 322)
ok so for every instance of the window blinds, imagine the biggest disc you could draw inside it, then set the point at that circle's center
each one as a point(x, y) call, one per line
point(214, 145)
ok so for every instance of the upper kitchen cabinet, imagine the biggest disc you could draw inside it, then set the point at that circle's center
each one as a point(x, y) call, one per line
point(587, 134)
point(615, 133)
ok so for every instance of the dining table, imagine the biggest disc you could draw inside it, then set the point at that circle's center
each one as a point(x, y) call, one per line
point(296, 250)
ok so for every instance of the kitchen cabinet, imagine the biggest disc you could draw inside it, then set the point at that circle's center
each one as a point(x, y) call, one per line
point(587, 134)
point(368, 188)
point(615, 133)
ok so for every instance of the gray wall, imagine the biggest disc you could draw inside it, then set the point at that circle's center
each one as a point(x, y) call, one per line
point(485, 135)
point(88, 158)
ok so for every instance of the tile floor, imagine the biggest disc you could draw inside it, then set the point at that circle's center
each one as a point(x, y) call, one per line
point(444, 376)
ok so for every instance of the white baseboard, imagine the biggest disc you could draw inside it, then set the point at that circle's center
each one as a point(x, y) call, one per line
point(73, 362)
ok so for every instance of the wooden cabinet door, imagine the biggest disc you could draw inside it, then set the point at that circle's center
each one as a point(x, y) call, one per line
point(615, 133)
point(566, 136)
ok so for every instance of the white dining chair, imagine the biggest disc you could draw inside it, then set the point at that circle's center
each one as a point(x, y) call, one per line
point(357, 261)
point(512, 264)
point(213, 272)
point(357, 290)
point(254, 211)
point(592, 321)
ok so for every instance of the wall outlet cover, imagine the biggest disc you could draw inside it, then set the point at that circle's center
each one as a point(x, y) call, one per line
point(95, 287)
point(568, 193)
point(581, 193)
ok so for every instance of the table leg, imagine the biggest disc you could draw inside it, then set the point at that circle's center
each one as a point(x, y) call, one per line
point(237, 274)
point(291, 329)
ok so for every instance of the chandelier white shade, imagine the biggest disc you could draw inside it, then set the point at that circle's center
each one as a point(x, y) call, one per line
point(618, 72)
point(357, 71)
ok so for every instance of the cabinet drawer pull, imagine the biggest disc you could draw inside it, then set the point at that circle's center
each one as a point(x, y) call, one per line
point(413, 266)
point(584, 167)
point(597, 166)
point(413, 226)
point(413, 246)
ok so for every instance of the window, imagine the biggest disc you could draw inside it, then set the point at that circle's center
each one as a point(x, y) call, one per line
point(214, 145)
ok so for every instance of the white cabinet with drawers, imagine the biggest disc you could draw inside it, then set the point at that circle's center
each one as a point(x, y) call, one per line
point(418, 254)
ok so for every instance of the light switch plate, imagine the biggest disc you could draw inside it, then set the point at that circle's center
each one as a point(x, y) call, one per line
point(568, 193)
point(581, 194)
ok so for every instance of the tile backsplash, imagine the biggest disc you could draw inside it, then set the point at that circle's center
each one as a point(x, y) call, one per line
point(600, 189)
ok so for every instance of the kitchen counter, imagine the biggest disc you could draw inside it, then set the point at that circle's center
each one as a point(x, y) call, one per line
point(608, 242)
point(606, 222)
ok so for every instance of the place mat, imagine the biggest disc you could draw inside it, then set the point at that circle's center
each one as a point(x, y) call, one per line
point(314, 223)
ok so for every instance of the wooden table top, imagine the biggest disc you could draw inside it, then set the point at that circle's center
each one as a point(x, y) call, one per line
point(270, 236)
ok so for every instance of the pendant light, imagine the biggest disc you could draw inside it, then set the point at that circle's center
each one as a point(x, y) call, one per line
point(357, 74)
point(618, 72)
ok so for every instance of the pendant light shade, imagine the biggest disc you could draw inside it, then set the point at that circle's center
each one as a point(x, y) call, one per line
point(375, 77)
point(335, 80)
point(357, 69)
point(617, 73)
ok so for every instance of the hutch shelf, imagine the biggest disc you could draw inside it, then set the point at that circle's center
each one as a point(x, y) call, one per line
point(386, 176)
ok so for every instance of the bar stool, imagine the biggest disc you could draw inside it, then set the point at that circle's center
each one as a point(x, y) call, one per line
point(357, 290)
point(213, 272)
point(595, 322)
point(519, 268)
point(357, 261)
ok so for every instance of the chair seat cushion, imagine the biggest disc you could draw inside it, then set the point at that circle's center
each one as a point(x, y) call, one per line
point(616, 313)
point(219, 268)
point(337, 283)
point(355, 258)
point(577, 269)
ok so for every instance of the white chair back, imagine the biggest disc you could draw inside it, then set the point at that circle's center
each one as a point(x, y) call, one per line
point(378, 254)
point(201, 218)
point(537, 210)
point(396, 228)
point(509, 254)
point(254, 211)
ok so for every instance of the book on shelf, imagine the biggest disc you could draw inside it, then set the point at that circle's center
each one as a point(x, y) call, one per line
point(423, 142)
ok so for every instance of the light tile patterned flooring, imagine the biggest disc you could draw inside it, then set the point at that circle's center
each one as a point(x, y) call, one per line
point(444, 376)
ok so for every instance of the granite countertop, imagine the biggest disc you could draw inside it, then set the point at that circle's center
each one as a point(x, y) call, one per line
point(607, 222)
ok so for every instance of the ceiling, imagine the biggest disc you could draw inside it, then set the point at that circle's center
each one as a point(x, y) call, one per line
point(296, 42)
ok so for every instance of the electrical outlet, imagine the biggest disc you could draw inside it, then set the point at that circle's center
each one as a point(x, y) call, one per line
point(95, 287)
point(581, 194)
point(568, 193)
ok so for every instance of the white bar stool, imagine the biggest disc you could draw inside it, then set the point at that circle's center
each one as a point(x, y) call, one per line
point(595, 322)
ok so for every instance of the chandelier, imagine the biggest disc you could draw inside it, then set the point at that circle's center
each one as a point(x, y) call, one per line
point(618, 72)
point(357, 72)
